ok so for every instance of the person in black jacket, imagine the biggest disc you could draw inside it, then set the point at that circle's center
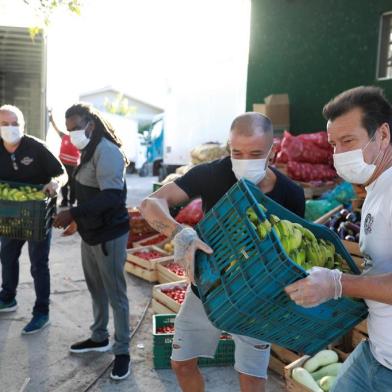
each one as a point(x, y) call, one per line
point(103, 224)
point(26, 159)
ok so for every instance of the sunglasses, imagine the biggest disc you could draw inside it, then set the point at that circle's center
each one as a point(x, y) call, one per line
point(14, 164)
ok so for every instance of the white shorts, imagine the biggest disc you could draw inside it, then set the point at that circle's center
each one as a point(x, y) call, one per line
point(195, 336)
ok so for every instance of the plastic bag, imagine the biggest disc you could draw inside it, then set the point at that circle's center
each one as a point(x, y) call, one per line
point(191, 214)
point(314, 209)
point(343, 193)
point(310, 172)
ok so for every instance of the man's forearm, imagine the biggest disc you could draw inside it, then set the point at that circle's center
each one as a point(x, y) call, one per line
point(377, 288)
point(157, 214)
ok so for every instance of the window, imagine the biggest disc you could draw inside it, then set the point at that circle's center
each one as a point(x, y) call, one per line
point(384, 67)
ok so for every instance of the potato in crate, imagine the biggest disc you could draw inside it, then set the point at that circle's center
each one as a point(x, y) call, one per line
point(242, 283)
point(25, 211)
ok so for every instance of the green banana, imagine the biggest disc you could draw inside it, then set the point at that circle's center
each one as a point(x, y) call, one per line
point(273, 219)
point(261, 230)
point(252, 216)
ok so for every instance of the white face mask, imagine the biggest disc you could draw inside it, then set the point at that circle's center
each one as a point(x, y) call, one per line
point(11, 134)
point(352, 167)
point(253, 170)
point(79, 138)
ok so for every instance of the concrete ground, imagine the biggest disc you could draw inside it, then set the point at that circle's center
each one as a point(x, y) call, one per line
point(42, 363)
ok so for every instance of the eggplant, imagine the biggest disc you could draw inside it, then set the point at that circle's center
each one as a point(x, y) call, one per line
point(349, 238)
point(352, 217)
point(342, 232)
point(344, 212)
point(352, 226)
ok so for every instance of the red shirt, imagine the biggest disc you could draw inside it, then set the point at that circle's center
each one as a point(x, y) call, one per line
point(69, 154)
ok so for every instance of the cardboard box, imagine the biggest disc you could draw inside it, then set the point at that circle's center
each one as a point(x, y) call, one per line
point(277, 109)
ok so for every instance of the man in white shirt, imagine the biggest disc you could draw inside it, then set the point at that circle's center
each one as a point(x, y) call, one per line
point(359, 126)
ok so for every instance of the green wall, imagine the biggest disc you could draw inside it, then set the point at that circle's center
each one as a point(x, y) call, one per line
point(313, 49)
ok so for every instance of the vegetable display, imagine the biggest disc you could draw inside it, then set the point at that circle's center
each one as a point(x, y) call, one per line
point(318, 372)
point(346, 224)
point(21, 193)
point(300, 243)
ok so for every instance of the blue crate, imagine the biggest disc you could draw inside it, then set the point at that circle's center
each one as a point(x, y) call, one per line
point(248, 298)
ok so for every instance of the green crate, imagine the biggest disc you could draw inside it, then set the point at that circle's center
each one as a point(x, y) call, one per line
point(162, 346)
point(26, 220)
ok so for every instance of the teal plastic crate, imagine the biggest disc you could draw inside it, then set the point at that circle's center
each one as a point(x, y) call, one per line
point(248, 298)
point(162, 346)
point(26, 220)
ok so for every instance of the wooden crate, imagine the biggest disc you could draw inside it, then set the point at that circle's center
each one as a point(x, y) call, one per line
point(353, 249)
point(159, 308)
point(165, 275)
point(163, 298)
point(362, 327)
point(324, 219)
point(140, 272)
point(147, 264)
point(281, 357)
point(294, 386)
point(159, 244)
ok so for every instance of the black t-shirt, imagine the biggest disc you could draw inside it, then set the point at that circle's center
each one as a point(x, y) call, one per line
point(212, 180)
point(33, 163)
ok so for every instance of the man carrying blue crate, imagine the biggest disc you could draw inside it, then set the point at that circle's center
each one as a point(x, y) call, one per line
point(251, 144)
point(359, 128)
point(25, 159)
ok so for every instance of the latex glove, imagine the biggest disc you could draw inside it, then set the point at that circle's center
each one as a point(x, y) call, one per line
point(186, 242)
point(321, 285)
point(51, 188)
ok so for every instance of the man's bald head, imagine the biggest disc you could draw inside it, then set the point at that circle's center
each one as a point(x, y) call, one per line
point(250, 123)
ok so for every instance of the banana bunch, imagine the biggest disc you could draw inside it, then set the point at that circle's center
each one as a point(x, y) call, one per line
point(299, 242)
point(22, 193)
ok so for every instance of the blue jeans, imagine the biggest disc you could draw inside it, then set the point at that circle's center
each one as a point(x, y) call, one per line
point(39, 259)
point(361, 372)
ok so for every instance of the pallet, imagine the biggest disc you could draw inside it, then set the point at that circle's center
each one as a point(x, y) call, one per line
point(164, 299)
point(291, 384)
point(165, 275)
point(142, 273)
point(147, 264)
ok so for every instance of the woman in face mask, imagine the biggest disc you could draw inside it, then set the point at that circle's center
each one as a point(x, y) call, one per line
point(359, 129)
point(103, 223)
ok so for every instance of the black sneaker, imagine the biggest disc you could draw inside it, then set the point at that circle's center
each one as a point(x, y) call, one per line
point(89, 345)
point(121, 367)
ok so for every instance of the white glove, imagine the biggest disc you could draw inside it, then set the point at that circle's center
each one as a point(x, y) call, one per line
point(186, 242)
point(321, 285)
point(52, 188)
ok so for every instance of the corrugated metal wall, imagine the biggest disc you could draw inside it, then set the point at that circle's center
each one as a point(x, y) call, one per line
point(23, 76)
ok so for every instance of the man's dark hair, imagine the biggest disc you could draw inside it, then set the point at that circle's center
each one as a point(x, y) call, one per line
point(102, 128)
point(376, 109)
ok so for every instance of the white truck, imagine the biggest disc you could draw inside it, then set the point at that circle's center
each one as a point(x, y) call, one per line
point(198, 113)
point(22, 68)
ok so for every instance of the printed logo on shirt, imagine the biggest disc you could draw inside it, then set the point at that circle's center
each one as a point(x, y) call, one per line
point(26, 161)
point(368, 262)
point(368, 225)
